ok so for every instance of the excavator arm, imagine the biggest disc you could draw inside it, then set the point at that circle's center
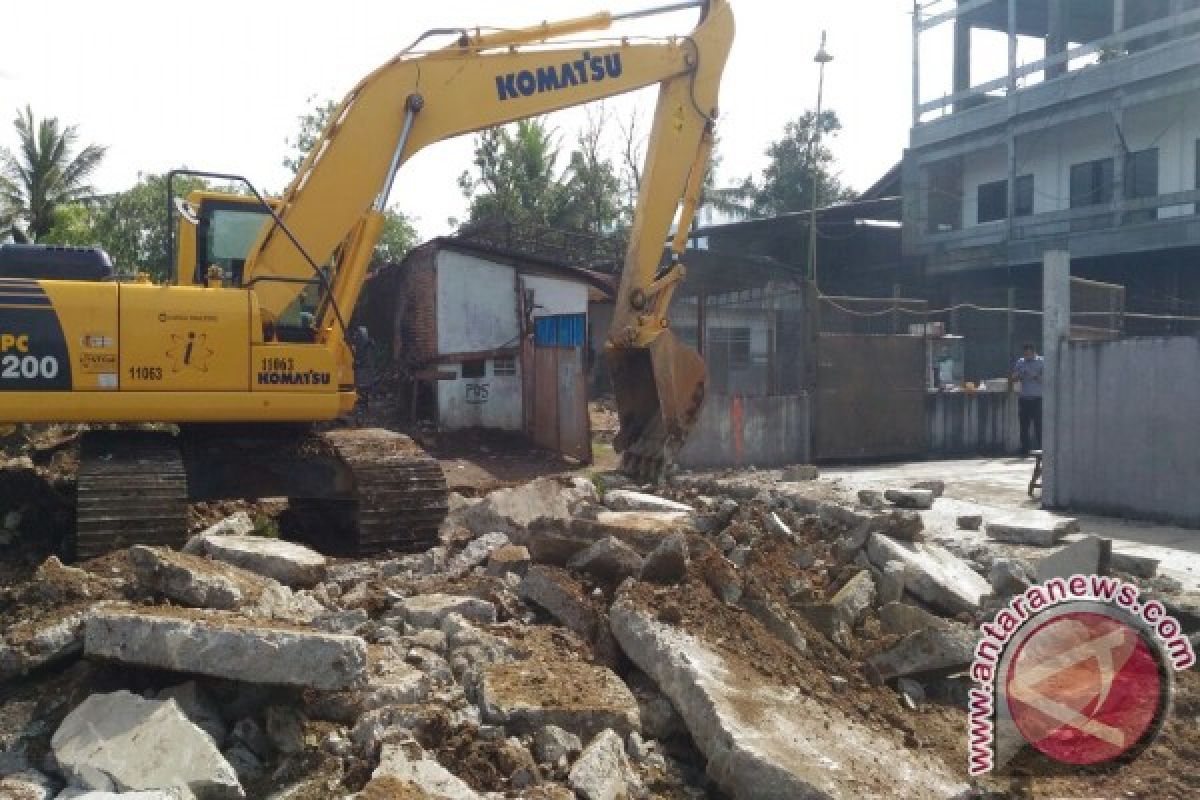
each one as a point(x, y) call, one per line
point(332, 213)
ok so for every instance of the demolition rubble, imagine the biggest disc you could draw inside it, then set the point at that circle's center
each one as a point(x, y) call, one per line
point(739, 636)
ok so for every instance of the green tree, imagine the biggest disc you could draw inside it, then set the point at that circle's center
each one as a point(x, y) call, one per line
point(73, 225)
point(515, 176)
point(399, 235)
point(47, 170)
point(395, 240)
point(787, 181)
point(312, 123)
point(592, 186)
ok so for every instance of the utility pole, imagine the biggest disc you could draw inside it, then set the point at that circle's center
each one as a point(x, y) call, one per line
point(822, 58)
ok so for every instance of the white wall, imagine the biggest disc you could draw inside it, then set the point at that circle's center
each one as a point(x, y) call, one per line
point(477, 311)
point(552, 296)
point(476, 304)
point(488, 402)
point(1172, 125)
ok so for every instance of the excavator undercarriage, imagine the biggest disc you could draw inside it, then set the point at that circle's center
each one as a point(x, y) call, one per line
point(352, 492)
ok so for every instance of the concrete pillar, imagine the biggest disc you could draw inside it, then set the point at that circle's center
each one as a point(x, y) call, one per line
point(962, 58)
point(1056, 333)
point(1120, 156)
point(1012, 46)
point(1056, 37)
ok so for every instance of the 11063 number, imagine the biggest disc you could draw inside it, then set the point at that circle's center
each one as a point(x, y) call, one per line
point(14, 367)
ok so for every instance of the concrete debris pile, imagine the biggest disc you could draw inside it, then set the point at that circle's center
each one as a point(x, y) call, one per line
point(743, 637)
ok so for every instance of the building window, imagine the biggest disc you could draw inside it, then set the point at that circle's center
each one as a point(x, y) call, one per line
point(1092, 183)
point(475, 368)
point(1141, 180)
point(1023, 202)
point(560, 330)
point(993, 201)
point(504, 367)
point(732, 344)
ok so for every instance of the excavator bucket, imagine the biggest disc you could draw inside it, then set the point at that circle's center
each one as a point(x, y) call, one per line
point(659, 391)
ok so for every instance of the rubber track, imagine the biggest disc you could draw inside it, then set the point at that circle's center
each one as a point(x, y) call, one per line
point(400, 495)
point(131, 489)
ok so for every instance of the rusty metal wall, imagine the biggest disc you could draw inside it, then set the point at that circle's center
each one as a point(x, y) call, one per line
point(870, 398)
point(560, 414)
point(738, 431)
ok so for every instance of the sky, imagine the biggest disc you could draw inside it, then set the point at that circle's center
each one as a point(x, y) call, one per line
point(219, 85)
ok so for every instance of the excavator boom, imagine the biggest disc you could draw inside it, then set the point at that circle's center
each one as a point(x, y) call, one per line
point(254, 329)
point(334, 204)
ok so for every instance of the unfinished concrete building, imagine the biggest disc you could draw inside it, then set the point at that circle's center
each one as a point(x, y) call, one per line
point(1057, 124)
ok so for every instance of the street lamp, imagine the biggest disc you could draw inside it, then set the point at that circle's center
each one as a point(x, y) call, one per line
point(822, 58)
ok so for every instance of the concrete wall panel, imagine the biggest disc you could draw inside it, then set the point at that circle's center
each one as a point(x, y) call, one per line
point(741, 431)
point(962, 424)
point(1127, 442)
point(476, 304)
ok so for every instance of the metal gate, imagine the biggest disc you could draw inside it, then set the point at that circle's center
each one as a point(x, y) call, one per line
point(560, 413)
point(870, 397)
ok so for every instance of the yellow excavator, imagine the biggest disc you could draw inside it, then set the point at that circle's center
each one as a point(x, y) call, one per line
point(225, 371)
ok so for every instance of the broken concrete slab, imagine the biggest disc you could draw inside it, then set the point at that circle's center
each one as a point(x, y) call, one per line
point(667, 563)
point(919, 499)
point(1034, 528)
point(225, 646)
point(772, 616)
point(625, 500)
point(766, 741)
point(1089, 556)
point(902, 619)
point(26, 786)
point(287, 562)
point(609, 560)
point(581, 698)
point(562, 596)
point(1009, 576)
point(902, 525)
point(391, 680)
point(513, 510)
point(30, 644)
point(237, 524)
point(551, 743)
point(932, 650)
point(891, 582)
point(405, 770)
point(641, 530)
point(512, 558)
point(932, 573)
point(429, 610)
point(204, 583)
point(938, 487)
point(855, 598)
point(602, 771)
point(476, 553)
point(198, 707)
point(555, 542)
point(120, 741)
point(1130, 564)
point(870, 498)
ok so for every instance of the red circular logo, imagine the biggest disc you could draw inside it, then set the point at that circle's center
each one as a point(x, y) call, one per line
point(1085, 688)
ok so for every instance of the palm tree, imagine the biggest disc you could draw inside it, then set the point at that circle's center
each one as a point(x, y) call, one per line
point(43, 173)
